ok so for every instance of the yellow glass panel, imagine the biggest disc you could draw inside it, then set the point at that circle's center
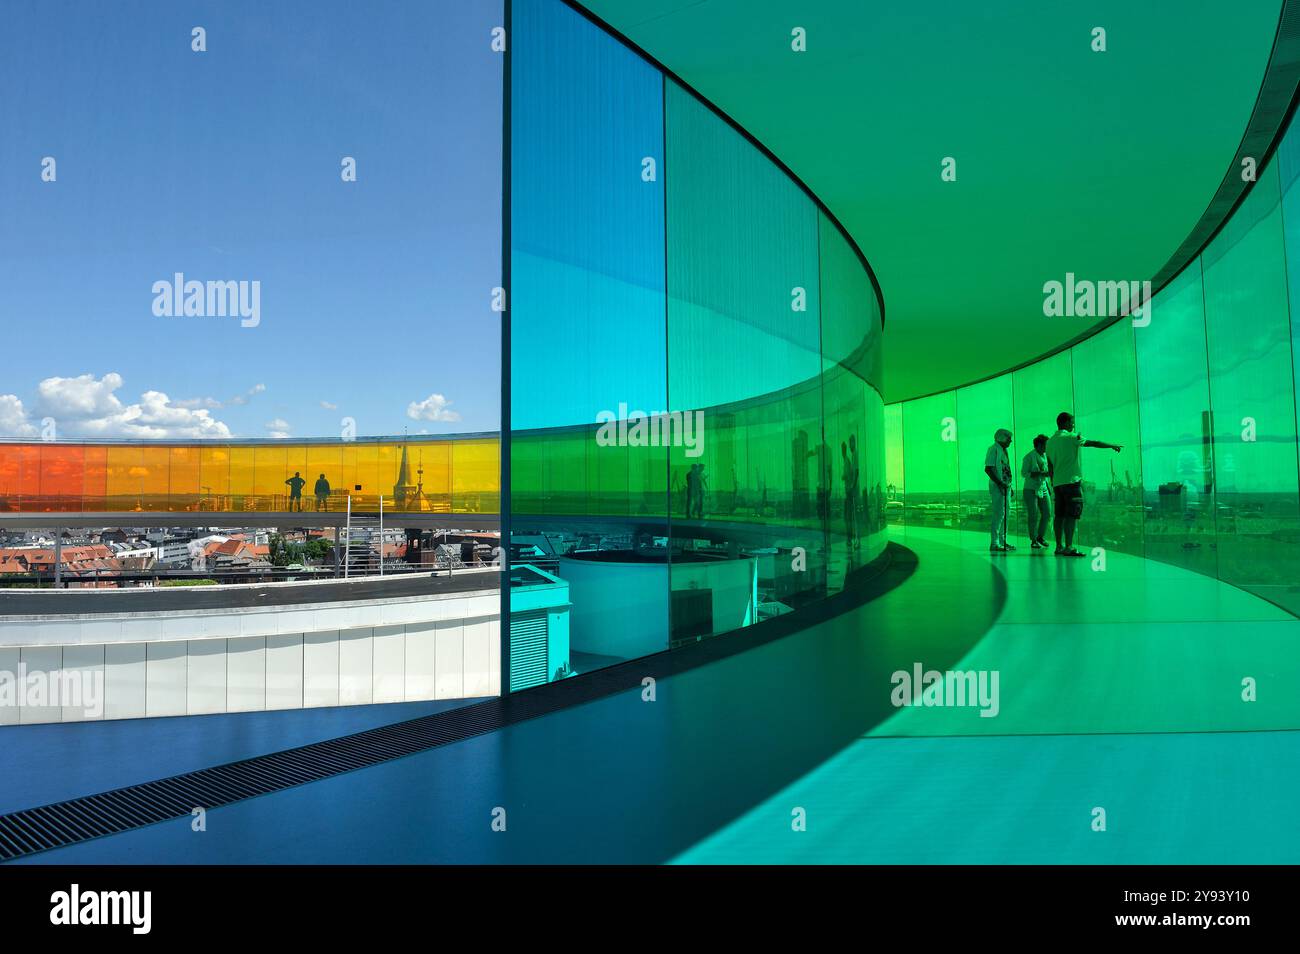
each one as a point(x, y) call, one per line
point(241, 478)
point(214, 478)
point(183, 480)
point(325, 461)
point(270, 471)
point(154, 476)
point(475, 476)
point(369, 478)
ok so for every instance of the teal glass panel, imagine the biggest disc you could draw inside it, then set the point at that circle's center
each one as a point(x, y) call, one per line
point(1288, 163)
point(744, 352)
point(849, 468)
point(587, 229)
point(1248, 337)
point(743, 313)
point(1106, 409)
point(588, 333)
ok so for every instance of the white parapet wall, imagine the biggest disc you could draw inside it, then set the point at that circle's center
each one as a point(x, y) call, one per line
point(341, 645)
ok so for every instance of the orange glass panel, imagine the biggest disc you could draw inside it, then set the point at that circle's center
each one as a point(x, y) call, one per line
point(62, 467)
point(29, 474)
point(124, 480)
point(8, 477)
point(155, 462)
point(95, 482)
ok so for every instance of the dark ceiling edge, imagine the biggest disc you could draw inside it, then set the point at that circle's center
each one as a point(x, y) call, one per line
point(1279, 95)
point(714, 108)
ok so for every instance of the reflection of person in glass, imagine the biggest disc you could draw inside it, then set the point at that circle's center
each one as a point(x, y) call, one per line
point(322, 492)
point(692, 491)
point(296, 483)
point(856, 491)
point(850, 480)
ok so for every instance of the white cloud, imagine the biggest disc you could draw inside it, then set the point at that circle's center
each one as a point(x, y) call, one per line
point(241, 399)
point(278, 428)
point(328, 406)
point(433, 408)
point(80, 398)
point(88, 407)
point(208, 402)
point(13, 418)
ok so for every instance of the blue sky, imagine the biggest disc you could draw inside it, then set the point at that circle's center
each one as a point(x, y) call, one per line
point(225, 165)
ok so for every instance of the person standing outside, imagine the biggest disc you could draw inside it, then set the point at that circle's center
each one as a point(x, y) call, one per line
point(1037, 492)
point(1066, 472)
point(296, 483)
point(998, 466)
point(322, 493)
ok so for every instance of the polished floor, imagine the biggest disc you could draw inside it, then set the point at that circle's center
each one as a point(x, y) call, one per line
point(1120, 689)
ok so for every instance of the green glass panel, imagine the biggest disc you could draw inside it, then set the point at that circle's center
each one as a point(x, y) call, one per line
point(1248, 336)
point(1174, 404)
point(930, 456)
point(983, 409)
point(1106, 409)
point(895, 473)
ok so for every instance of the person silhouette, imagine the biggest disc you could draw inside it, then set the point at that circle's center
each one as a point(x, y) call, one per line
point(322, 493)
point(850, 480)
point(296, 483)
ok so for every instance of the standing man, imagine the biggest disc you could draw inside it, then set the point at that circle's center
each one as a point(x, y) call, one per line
point(296, 483)
point(998, 466)
point(1066, 471)
point(322, 493)
point(1037, 492)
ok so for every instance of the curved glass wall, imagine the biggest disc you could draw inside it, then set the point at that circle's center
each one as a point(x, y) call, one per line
point(696, 437)
point(453, 474)
point(1201, 395)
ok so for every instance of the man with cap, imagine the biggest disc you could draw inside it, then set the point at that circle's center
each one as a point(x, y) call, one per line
point(998, 466)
